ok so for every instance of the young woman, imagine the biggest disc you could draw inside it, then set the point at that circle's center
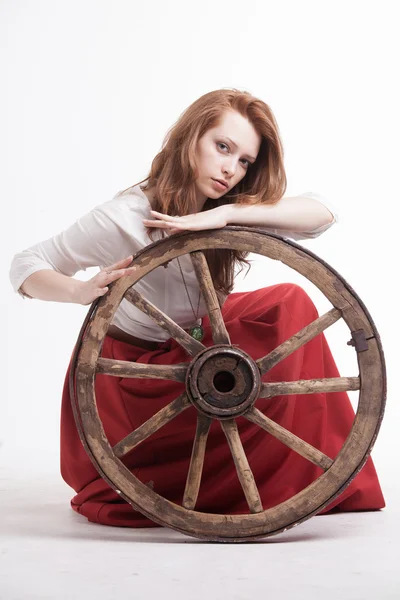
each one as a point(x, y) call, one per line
point(221, 163)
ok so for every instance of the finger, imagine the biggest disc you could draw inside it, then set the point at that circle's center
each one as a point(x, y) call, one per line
point(107, 272)
point(162, 224)
point(110, 276)
point(162, 215)
point(102, 291)
point(120, 263)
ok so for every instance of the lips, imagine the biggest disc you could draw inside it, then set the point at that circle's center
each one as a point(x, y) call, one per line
point(222, 182)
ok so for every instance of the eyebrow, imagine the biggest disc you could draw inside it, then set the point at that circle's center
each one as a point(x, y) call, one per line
point(234, 144)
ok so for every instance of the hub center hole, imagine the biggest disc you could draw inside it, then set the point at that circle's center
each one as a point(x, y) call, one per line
point(224, 381)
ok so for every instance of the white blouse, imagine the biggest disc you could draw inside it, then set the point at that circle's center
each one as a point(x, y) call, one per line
point(112, 231)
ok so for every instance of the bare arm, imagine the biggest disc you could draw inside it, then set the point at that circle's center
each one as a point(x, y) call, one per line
point(47, 284)
point(50, 285)
point(297, 213)
point(101, 238)
point(297, 217)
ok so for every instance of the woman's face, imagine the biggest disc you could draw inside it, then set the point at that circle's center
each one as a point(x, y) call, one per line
point(225, 152)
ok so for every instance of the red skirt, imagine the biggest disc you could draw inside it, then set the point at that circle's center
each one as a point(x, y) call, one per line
point(257, 321)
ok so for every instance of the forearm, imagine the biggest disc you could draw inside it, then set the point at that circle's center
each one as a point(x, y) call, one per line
point(47, 284)
point(297, 213)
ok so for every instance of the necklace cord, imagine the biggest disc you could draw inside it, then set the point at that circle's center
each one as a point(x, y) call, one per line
point(195, 314)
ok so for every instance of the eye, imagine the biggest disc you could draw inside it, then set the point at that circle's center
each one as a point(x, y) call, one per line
point(222, 144)
point(226, 146)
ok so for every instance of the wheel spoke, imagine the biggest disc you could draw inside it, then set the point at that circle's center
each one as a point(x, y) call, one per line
point(196, 462)
point(310, 386)
point(298, 339)
point(191, 345)
point(220, 334)
point(244, 472)
point(125, 368)
point(289, 439)
point(152, 425)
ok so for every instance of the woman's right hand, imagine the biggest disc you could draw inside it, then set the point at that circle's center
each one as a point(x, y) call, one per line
point(89, 290)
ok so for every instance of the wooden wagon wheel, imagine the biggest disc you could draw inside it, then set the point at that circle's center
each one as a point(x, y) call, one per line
point(246, 386)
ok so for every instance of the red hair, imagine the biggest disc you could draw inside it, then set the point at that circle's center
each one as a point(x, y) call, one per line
point(173, 170)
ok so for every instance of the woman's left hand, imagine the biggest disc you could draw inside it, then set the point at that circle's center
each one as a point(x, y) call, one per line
point(209, 219)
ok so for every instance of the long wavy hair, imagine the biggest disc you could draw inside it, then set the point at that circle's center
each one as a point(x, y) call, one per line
point(173, 171)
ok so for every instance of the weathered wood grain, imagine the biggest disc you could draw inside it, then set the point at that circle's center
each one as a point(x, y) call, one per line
point(124, 368)
point(219, 333)
point(309, 386)
point(196, 462)
point(191, 345)
point(289, 439)
point(243, 469)
point(298, 339)
point(165, 415)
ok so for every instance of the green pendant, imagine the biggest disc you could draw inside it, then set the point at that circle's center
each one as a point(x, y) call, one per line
point(197, 332)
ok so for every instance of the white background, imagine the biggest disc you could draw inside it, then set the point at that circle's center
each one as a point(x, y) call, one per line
point(89, 90)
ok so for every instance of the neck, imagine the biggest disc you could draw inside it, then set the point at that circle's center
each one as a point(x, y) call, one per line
point(200, 200)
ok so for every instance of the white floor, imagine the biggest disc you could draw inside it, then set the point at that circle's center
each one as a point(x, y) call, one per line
point(50, 552)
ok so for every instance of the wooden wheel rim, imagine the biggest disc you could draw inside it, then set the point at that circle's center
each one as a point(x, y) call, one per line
point(313, 498)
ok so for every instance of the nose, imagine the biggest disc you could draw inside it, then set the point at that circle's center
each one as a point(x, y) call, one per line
point(229, 168)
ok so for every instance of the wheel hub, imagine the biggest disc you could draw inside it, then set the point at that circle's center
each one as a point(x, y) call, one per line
point(223, 382)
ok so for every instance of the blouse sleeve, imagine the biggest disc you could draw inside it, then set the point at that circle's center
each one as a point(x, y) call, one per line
point(94, 240)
